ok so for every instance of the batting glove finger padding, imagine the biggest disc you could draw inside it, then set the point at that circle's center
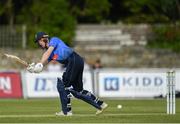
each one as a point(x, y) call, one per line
point(38, 68)
point(30, 67)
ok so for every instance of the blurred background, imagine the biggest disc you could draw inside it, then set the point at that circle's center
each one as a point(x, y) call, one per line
point(121, 33)
point(137, 40)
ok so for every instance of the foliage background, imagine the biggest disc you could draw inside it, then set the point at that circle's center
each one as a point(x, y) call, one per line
point(60, 17)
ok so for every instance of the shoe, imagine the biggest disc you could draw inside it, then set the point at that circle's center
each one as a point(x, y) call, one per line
point(103, 107)
point(62, 114)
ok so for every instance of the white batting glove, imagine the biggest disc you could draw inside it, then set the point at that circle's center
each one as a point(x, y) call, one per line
point(30, 67)
point(38, 68)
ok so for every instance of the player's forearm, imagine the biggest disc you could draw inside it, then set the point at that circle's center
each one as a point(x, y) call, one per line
point(46, 55)
point(44, 58)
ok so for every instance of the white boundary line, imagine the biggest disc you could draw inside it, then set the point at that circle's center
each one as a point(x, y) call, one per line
point(80, 115)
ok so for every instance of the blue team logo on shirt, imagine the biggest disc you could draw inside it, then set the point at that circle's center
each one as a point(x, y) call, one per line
point(111, 83)
point(55, 57)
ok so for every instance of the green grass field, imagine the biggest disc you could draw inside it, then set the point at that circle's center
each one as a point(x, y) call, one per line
point(42, 111)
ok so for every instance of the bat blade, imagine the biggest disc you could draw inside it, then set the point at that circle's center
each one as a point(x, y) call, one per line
point(13, 57)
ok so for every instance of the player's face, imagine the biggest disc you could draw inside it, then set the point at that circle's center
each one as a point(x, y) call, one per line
point(43, 43)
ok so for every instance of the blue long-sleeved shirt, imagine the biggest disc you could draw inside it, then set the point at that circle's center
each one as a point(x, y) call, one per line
point(61, 51)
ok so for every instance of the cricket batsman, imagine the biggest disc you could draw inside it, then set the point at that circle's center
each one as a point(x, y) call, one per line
point(71, 81)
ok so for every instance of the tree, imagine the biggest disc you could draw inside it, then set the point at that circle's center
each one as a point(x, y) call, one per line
point(117, 11)
point(171, 8)
point(6, 10)
point(152, 11)
point(90, 11)
point(51, 16)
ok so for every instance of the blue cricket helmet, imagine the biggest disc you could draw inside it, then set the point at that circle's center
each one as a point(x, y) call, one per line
point(40, 35)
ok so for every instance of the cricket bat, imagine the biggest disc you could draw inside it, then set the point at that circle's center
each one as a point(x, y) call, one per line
point(15, 58)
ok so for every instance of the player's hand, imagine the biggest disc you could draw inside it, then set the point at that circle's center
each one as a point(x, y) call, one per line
point(30, 67)
point(38, 68)
point(35, 68)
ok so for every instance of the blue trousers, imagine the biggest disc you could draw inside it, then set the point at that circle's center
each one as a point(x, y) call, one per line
point(74, 72)
point(72, 77)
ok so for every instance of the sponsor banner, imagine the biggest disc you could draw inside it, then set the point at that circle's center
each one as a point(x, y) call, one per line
point(44, 84)
point(10, 85)
point(131, 84)
point(41, 85)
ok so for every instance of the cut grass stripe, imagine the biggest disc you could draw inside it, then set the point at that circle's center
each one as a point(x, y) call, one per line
point(80, 115)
